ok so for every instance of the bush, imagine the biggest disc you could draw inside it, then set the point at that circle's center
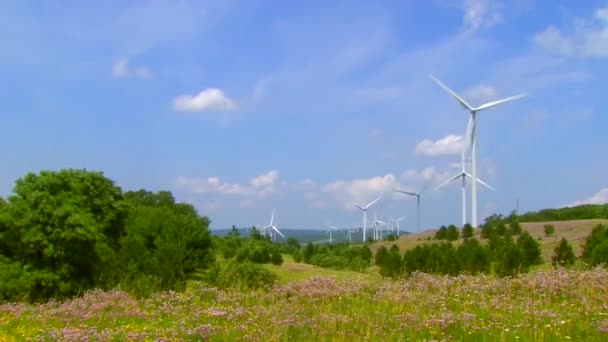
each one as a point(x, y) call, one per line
point(240, 275)
point(381, 254)
point(549, 229)
point(452, 233)
point(515, 228)
point(598, 235)
point(530, 249)
point(563, 255)
point(441, 233)
point(15, 282)
point(392, 265)
point(467, 231)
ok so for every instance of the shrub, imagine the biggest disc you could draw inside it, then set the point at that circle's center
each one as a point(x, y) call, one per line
point(563, 255)
point(381, 254)
point(549, 229)
point(467, 231)
point(530, 249)
point(452, 233)
point(515, 228)
point(598, 235)
point(441, 233)
point(240, 275)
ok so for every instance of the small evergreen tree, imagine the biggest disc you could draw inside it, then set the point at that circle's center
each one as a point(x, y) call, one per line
point(515, 228)
point(441, 233)
point(381, 255)
point(530, 249)
point(467, 231)
point(563, 255)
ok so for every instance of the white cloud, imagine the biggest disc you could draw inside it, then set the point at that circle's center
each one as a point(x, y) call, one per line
point(121, 69)
point(481, 13)
point(210, 98)
point(479, 93)
point(600, 197)
point(588, 38)
point(449, 145)
point(361, 191)
point(259, 186)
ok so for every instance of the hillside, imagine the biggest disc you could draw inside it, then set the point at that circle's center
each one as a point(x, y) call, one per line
point(574, 231)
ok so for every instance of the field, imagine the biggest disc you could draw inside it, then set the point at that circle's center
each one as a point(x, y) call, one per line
point(546, 305)
point(574, 231)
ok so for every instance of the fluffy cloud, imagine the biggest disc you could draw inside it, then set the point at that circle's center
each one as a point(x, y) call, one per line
point(259, 186)
point(588, 38)
point(210, 98)
point(121, 69)
point(361, 191)
point(449, 145)
point(481, 13)
point(479, 93)
point(600, 197)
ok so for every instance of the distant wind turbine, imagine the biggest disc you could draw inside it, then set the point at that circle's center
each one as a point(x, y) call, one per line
point(463, 174)
point(364, 209)
point(396, 222)
point(272, 229)
point(473, 134)
point(417, 194)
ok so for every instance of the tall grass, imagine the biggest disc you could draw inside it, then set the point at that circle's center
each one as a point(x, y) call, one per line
point(546, 305)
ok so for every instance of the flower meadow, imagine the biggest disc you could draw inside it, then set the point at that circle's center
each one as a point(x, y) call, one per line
point(546, 305)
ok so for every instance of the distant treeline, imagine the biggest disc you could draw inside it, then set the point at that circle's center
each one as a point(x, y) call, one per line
point(581, 212)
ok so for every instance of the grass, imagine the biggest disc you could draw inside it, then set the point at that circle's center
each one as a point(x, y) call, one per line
point(291, 271)
point(553, 305)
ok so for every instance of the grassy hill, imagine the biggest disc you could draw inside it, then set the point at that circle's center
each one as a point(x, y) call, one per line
point(574, 231)
point(291, 270)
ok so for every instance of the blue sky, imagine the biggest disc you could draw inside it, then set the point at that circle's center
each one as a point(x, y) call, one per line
point(240, 107)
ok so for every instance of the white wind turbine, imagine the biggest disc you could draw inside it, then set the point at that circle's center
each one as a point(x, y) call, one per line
point(329, 230)
point(396, 223)
point(473, 132)
point(272, 229)
point(377, 224)
point(364, 209)
point(463, 174)
point(417, 194)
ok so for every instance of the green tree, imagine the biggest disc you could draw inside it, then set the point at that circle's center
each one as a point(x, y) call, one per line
point(467, 231)
point(441, 233)
point(472, 257)
point(392, 265)
point(549, 229)
point(598, 235)
point(563, 254)
point(309, 251)
point(530, 249)
point(452, 233)
point(515, 228)
point(381, 255)
point(64, 227)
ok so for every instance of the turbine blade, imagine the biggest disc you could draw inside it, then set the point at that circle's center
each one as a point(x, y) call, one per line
point(497, 102)
point(401, 218)
point(453, 93)
point(373, 202)
point(358, 206)
point(278, 231)
point(467, 136)
point(406, 192)
point(481, 182)
point(272, 217)
point(448, 181)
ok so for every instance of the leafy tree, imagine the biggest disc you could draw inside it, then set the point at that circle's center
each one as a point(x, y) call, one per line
point(452, 233)
point(549, 229)
point(563, 254)
point(530, 249)
point(472, 257)
point(487, 230)
point(500, 228)
point(597, 236)
point(164, 243)
point(309, 251)
point(515, 228)
point(599, 255)
point(467, 231)
point(441, 233)
point(381, 255)
point(392, 265)
point(64, 227)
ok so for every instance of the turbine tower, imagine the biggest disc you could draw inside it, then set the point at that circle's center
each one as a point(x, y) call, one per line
point(473, 132)
point(364, 209)
point(417, 194)
point(396, 222)
point(272, 229)
point(329, 229)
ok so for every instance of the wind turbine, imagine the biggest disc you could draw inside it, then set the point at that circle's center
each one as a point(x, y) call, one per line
point(364, 209)
point(329, 229)
point(473, 132)
point(272, 229)
point(377, 223)
point(463, 174)
point(417, 194)
point(396, 222)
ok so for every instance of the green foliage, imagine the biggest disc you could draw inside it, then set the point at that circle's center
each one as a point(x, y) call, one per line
point(240, 275)
point(530, 249)
point(563, 254)
point(297, 256)
point(515, 228)
point(487, 231)
point(549, 229)
point(381, 254)
point(441, 233)
point(391, 264)
point(472, 257)
point(15, 282)
point(452, 233)
point(582, 212)
point(338, 256)
point(64, 227)
point(467, 231)
point(595, 248)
